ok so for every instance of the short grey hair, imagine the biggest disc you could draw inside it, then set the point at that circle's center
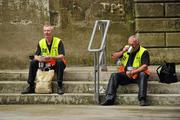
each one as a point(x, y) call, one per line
point(48, 24)
point(134, 36)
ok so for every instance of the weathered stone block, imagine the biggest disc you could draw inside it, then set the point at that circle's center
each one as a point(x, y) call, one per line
point(157, 24)
point(158, 55)
point(20, 29)
point(7, 76)
point(149, 9)
point(24, 12)
point(152, 39)
point(19, 40)
point(54, 5)
point(172, 39)
point(172, 9)
point(150, 25)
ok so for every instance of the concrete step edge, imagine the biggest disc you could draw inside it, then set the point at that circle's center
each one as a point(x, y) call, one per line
point(84, 69)
point(87, 82)
point(53, 94)
point(130, 99)
point(88, 87)
point(84, 94)
point(26, 72)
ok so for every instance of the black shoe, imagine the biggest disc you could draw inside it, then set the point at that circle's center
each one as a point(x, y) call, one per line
point(108, 102)
point(60, 90)
point(28, 90)
point(143, 103)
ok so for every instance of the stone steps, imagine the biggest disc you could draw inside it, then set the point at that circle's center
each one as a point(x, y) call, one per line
point(85, 98)
point(154, 87)
point(75, 74)
point(79, 89)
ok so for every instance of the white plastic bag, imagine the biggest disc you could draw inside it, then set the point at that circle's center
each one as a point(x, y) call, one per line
point(44, 81)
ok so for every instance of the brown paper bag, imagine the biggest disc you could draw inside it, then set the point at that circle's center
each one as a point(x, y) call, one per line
point(44, 81)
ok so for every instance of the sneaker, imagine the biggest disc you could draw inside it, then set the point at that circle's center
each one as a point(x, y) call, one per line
point(143, 103)
point(60, 90)
point(28, 90)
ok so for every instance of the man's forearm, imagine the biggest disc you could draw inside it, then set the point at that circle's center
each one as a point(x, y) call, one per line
point(117, 55)
point(121, 53)
point(59, 57)
point(140, 69)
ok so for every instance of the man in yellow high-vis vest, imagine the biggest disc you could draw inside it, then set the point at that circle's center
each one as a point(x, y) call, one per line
point(133, 68)
point(49, 49)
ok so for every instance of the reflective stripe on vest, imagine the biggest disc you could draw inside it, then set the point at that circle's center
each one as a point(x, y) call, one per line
point(54, 48)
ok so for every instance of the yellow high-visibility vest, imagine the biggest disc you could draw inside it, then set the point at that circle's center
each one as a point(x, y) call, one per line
point(54, 48)
point(137, 59)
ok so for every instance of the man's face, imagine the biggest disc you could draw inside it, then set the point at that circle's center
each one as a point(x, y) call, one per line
point(47, 31)
point(134, 43)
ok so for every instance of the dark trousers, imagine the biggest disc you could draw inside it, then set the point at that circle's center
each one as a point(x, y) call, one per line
point(117, 79)
point(34, 65)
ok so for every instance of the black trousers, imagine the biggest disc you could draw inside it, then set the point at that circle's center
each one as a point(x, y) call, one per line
point(117, 79)
point(34, 65)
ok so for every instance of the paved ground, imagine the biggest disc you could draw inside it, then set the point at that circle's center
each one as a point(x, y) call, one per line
point(87, 112)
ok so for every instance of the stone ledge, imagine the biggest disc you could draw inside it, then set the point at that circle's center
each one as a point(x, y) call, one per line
point(154, 87)
point(153, 99)
point(126, 99)
point(86, 73)
point(46, 99)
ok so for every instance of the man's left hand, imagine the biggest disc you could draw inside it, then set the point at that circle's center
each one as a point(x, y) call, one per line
point(47, 58)
point(131, 74)
point(128, 73)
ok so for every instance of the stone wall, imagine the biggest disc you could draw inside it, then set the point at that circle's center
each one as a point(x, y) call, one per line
point(21, 27)
point(74, 21)
point(158, 28)
point(157, 23)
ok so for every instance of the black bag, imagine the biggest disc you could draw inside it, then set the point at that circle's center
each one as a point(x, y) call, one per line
point(167, 73)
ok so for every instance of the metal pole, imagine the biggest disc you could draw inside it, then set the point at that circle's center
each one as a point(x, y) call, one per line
point(103, 63)
point(95, 62)
point(97, 80)
point(99, 55)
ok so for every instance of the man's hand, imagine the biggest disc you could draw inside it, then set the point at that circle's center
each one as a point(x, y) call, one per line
point(116, 55)
point(125, 48)
point(41, 58)
point(132, 74)
point(47, 58)
point(128, 73)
